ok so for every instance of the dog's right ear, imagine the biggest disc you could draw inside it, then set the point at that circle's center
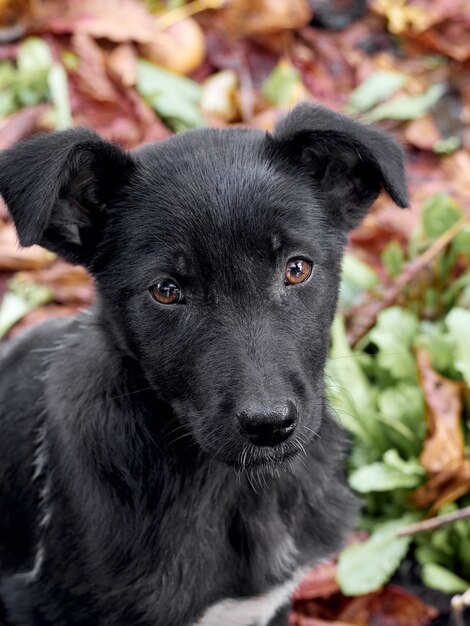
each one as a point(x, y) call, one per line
point(56, 187)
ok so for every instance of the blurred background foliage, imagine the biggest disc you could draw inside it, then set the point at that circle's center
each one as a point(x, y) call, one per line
point(399, 371)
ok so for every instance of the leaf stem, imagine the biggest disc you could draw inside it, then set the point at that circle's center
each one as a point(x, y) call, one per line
point(435, 522)
point(366, 313)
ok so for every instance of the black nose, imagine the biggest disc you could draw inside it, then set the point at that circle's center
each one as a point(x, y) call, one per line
point(268, 424)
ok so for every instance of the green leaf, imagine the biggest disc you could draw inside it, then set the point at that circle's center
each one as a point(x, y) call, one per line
point(441, 347)
point(407, 107)
point(174, 98)
point(22, 299)
point(393, 335)
point(349, 391)
point(458, 323)
point(438, 214)
point(438, 577)
point(461, 242)
point(401, 408)
point(34, 55)
point(58, 86)
point(377, 87)
point(393, 473)
point(393, 259)
point(367, 566)
point(357, 277)
point(447, 145)
point(281, 85)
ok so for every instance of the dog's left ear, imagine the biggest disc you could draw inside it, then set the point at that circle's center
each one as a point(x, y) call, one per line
point(349, 161)
point(57, 187)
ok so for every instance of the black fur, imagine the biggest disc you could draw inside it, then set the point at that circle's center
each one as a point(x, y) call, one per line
point(129, 494)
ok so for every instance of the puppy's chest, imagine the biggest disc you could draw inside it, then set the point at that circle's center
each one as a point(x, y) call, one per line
point(244, 604)
point(257, 610)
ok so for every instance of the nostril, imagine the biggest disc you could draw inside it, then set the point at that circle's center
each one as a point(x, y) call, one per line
point(268, 424)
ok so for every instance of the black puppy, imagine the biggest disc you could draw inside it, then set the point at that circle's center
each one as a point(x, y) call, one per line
point(168, 457)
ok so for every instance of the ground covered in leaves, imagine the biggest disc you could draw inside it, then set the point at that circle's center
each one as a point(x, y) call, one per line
point(399, 372)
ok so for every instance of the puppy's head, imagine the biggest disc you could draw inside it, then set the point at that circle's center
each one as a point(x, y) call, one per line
point(217, 260)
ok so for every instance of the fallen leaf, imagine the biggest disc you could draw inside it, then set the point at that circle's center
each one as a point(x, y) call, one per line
point(377, 87)
point(407, 107)
point(94, 80)
point(180, 48)
point(20, 125)
point(444, 446)
point(219, 95)
point(392, 606)
point(443, 454)
point(20, 300)
point(14, 258)
point(319, 582)
point(126, 20)
point(257, 17)
point(422, 133)
point(122, 64)
point(69, 284)
point(175, 98)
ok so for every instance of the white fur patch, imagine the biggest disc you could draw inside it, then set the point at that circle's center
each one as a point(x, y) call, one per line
point(255, 611)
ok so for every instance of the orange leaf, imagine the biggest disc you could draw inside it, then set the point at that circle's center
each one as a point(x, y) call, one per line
point(391, 606)
point(444, 446)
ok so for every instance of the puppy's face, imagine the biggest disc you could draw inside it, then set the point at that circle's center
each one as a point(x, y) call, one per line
point(217, 257)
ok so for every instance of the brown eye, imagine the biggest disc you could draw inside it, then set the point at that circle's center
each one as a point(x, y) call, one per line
point(167, 292)
point(297, 271)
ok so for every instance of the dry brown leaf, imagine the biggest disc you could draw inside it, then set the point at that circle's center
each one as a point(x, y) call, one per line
point(122, 64)
point(391, 606)
point(443, 454)
point(259, 17)
point(443, 449)
point(318, 583)
point(126, 20)
point(70, 284)
point(422, 133)
point(316, 621)
point(20, 125)
point(94, 79)
point(13, 258)
point(180, 48)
